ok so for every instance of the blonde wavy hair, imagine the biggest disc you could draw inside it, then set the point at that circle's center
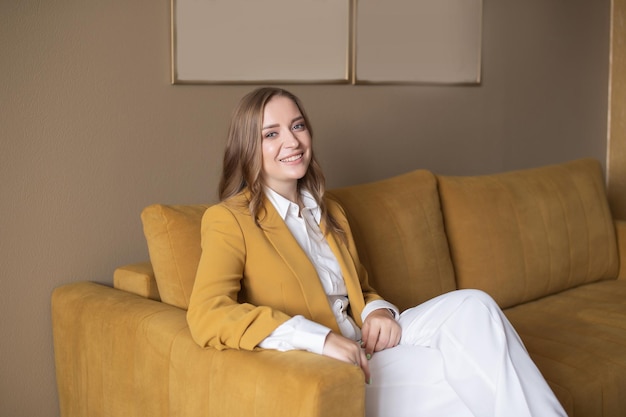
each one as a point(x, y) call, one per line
point(243, 157)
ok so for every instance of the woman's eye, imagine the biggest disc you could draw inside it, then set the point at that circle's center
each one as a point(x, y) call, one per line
point(270, 135)
point(299, 126)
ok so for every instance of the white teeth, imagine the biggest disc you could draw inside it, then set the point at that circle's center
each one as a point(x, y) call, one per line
point(292, 158)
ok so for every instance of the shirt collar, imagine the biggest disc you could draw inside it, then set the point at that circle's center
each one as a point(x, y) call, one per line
point(282, 204)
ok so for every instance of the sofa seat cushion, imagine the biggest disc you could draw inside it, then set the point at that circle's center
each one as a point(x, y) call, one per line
point(578, 340)
point(525, 234)
point(398, 229)
point(173, 237)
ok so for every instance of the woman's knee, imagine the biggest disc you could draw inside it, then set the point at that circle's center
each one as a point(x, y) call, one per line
point(478, 296)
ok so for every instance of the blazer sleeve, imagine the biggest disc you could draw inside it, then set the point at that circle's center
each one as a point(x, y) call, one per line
point(215, 316)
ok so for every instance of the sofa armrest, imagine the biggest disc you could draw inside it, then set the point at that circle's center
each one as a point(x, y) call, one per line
point(620, 229)
point(118, 354)
point(137, 279)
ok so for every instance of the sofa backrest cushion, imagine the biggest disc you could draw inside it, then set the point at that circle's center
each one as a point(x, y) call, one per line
point(398, 229)
point(173, 237)
point(526, 234)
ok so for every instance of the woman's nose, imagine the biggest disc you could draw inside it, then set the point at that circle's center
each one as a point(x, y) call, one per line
point(291, 139)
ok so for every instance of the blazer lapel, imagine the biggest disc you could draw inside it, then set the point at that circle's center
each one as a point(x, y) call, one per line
point(350, 276)
point(294, 256)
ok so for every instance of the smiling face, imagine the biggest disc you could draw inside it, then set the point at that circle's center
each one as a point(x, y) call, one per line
point(286, 146)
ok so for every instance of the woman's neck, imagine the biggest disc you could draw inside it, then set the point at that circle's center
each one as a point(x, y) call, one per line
point(291, 194)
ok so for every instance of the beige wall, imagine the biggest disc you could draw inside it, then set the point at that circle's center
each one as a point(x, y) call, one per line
point(92, 132)
point(617, 113)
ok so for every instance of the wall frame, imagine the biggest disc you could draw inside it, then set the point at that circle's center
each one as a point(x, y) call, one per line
point(418, 41)
point(269, 41)
point(326, 41)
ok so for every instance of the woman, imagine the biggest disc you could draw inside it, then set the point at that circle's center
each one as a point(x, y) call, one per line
point(279, 270)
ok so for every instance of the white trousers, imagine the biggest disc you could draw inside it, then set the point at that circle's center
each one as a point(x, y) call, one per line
point(459, 356)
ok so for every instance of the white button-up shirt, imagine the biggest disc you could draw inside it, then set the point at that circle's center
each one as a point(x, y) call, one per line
point(299, 332)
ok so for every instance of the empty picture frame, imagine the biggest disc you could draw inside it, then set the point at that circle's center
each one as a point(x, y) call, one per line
point(269, 41)
point(418, 41)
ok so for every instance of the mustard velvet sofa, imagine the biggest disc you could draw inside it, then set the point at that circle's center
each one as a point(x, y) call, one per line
point(541, 241)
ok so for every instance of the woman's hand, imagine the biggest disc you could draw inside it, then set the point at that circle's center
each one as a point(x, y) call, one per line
point(380, 331)
point(346, 350)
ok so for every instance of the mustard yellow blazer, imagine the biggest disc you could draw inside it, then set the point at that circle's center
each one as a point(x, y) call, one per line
point(252, 279)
